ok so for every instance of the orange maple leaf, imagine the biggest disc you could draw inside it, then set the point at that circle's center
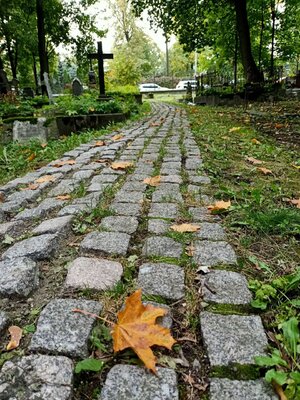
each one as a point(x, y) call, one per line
point(255, 141)
point(99, 143)
point(254, 161)
point(265, 171)
point(185, 228)
point(63, 197)
point(46, 178)
point(220, 205)
point(136, 328)
point(62, 163)
point(15, 337)
point(295, 202)
point(31, 186)
point(117, 137)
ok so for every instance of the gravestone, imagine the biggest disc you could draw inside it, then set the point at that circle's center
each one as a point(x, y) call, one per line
point(77, 88)
point(49, 90)
point(92, 78)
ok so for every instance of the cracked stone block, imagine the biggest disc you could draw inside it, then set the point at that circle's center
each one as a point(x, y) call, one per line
point(62, 331)
point(163, 210)
point(105, 242)
point(211, 232)
point(225, 389)
point(126, 382)
point(13, 229)
point(129, 197)
point(161, 279)
point(60, 225)
point(41, 210)
point(132, 209)
point(93, 273)
point(233, 338)
point(225, 287)
point(18, 278)
point(158, 226)
point(120, 224)
point(162, 246)
point(201, 214)
point(38, 248)
point(37, 377)
point(213, 253)
point(4, 321)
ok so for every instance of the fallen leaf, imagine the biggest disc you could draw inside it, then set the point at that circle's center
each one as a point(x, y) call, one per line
point(254, 161)
point(265, 171)
point(295, 166)
point(220, 205)
point(122, 165)
point(100, 143)
point(279, 126)
point(31, 186)
point(154, 124)
point(46, 178)
point(295, 202)
point(136, 328)
point(2, 197)
point(63, 197)
point(62, 163)
point(152, 181)
point(31, 157)
point(43, 145)
point(235, 129)
point(255, 141)
point(102, 160)
point(117, 137)
point(15, 337)
point(185, 228)
point(190, 250)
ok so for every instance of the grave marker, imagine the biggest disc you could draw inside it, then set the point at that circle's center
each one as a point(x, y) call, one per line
point(100, 57)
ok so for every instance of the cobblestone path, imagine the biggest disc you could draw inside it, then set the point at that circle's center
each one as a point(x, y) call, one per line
point(48, 270)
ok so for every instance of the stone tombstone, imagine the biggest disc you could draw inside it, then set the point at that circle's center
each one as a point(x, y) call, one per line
point(77, 88)
point(28, 92)
point(24, 131)
point(49, 90)
point(92, 78)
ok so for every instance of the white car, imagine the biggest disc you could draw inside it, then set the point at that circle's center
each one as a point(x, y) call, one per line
point(150, 87)
point(183, 84)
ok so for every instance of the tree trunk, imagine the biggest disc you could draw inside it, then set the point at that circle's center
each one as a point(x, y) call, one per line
point(262, 27)
point(251, 71)
point(35, 74)
point(41, 43)
point(273, 15)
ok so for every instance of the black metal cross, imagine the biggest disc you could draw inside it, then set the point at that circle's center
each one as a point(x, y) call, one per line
point(100, 57)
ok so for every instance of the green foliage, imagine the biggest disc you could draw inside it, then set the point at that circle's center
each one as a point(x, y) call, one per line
point(89, 364)
point(86, 104)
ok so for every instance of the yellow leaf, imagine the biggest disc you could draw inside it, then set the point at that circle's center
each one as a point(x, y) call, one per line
point(15, 337)
point(62, 163)
point(122, 164)
point(153, 181)
point(295, 202)
point(100, 143)
point(295, 166)
point(255, 141)
point(220, 205)
point(136, 328)
point(63, 197)
point(31, 157)
point(117, 137)
point(265, 171)
point(235, 129)
point(185, 228)
point(254, 161)
point(46, 178)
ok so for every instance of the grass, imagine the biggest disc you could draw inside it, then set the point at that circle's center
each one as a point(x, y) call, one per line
point(262, 224)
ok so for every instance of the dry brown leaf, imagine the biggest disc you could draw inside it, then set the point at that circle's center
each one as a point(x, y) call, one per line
point(235, 129)
point(279, 126)
point(136, 328)
point(190, 250)
point(295, 202)
point(63, 197)
point(2, 197)
point(154, 124)
point(43, 145)
point(62, 163)
point(100, 143)
point(46, 178)
point(254, 161)
point(122, 165)
point(185, 228)
point(31, 157)
point(220, 205)
point(255, 141)
point(31, 186)
point(117, 137)
point(153, 181)
point(15, 337)
point(265, 171)
point(102, 160)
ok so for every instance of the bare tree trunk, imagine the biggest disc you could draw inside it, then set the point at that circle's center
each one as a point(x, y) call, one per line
point(252, 73)
point(262, 27)
point(273, 14)
point(41, 42)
